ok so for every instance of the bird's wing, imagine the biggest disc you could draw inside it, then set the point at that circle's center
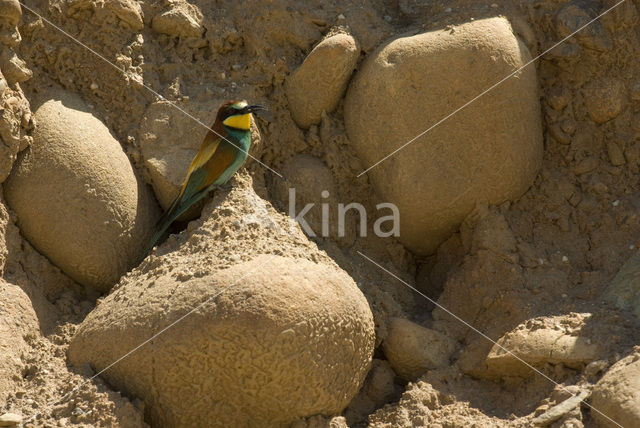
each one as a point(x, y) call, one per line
point(207, 149)
point(192, 180)
point(206, 172)
point(224, 157)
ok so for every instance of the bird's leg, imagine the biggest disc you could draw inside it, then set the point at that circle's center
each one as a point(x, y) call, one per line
point(223, 187)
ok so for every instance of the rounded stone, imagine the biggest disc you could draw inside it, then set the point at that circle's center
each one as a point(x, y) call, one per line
point(77, 197)
point(412, 349)
point(265, 342)
point(320, 82)
point(605, 99)
point(488, 152)
point(617, 394)
point(11, 11)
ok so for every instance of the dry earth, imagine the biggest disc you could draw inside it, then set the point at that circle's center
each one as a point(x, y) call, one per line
point(533, 271)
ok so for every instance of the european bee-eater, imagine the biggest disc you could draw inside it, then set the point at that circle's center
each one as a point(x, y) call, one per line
point(220, 156)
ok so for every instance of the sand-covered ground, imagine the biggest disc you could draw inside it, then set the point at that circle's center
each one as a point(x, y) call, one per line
point(508, 297)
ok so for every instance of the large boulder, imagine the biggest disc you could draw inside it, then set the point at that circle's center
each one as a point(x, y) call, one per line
point(488, 152)
point(261, 343)
point(77, 197)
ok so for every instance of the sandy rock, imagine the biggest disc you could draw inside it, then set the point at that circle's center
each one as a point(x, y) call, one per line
point(617, 394)
point(378, 389)
point(77, 197)
point(15, 124)
point(624, 289)
point(182, 20)
point(578, 13)
point(412, 349)
point(461, 162)
point(320, 82)
point(605, 99)
point(264, 29)
point(313, 183)
point(281, 339)
point(616, 156)
point(11, 11)
point(321, 422)
point(128, 11)
point(17, 320)
point(560, 410)
point(13, 67)
point(10, 14)
point(10, 419)
point(368, 27)
point(540, 341)
point(169, 140)
point(380, 383)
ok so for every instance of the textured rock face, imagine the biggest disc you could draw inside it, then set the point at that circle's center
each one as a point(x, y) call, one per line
point(488, 152)
point(617, 394)
point(279, 339)
point(322, 78)
point(77, 197)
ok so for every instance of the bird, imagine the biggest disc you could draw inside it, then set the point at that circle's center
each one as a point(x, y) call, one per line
point(223, 151)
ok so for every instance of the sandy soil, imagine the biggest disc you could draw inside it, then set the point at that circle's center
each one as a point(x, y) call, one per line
point(551, 253)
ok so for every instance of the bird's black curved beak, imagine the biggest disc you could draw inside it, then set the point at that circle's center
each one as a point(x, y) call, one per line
point(254, 108)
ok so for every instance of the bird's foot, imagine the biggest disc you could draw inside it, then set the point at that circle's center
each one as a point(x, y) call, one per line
point(224, 187)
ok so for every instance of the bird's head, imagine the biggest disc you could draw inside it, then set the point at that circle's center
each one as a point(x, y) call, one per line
point(237, 114)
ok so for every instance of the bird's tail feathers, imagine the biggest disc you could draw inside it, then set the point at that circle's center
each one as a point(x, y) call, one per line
point(174, 211)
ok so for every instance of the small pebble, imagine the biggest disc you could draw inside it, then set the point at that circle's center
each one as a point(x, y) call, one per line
point(10, 419)
point(494, 5)
point(94, 86)
point(341, 16)
point(387, 18)
point(615, 203)
point(565, 259)
point(631, 247)
point(448, 10)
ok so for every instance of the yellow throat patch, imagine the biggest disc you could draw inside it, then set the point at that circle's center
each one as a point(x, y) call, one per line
point(239, 121)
